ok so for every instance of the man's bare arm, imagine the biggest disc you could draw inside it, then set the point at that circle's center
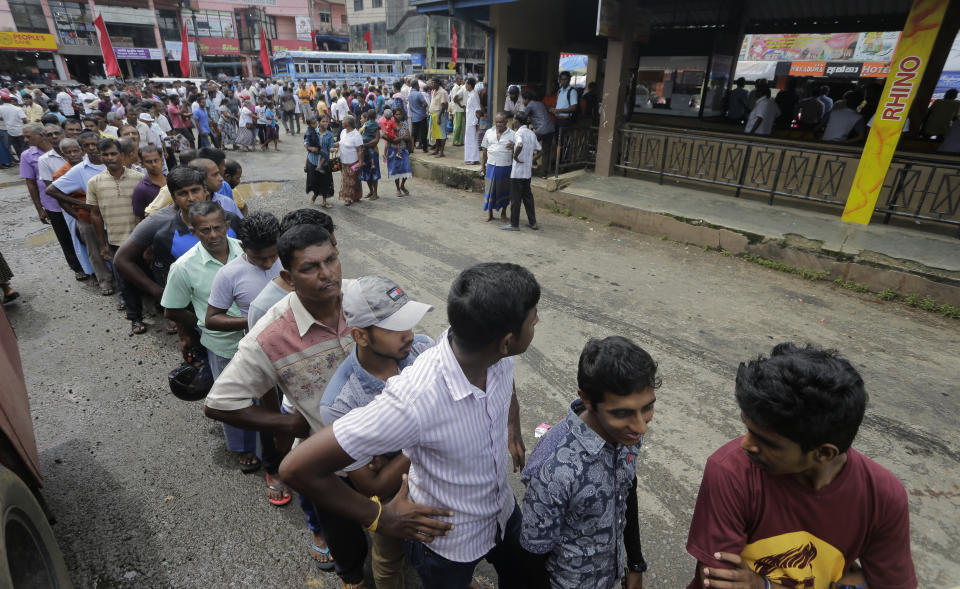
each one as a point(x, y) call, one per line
point(262, 419)
point(126, 262)
point(218, 320)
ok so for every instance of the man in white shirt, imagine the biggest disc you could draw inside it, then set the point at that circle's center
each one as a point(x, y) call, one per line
point(526, 150)
point(472, 110)
point(497, 145)
point(454, 413)
point(458, 109)
point(89, 101)
point(65, 102)
point(13, 119)
point(760, 121)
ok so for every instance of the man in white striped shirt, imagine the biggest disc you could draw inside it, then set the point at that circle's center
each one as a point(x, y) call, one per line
point(455, 415)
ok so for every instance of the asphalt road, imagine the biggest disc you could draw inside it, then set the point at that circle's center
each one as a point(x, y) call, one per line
point(147, 496)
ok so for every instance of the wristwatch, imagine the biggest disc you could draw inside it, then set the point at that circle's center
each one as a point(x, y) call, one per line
point(640, 567)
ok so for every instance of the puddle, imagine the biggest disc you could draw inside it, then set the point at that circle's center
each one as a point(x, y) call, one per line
point(42, 238)
point(248, 190)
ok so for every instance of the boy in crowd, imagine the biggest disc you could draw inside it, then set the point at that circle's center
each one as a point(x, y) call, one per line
point(791, 504)
point(381, 318)
point(297, 345)
point(526, 150)
point(580, 516)
point(455, 415)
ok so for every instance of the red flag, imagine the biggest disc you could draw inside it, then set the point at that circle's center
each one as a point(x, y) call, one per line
point(313, 37)
point(454, 45)
point(109, 57)
point(264, 54)
point(184, 53)
point(369, 42)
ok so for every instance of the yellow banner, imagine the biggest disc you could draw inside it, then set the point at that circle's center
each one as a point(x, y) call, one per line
point(906, 71)
point(28, 41)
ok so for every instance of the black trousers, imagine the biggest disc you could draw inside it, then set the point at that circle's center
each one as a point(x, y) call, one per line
point(420, 134)
point(18, 144)
point(347, 542)
point(548, 155)
point(62, 232)
point(131, 295)
point(520, 193)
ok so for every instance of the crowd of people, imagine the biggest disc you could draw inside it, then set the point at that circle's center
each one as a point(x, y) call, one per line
point(409, 438)
point(809, 108)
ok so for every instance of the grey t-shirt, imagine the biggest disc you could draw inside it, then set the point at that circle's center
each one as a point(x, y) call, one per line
point(268, 297)
point(240, 282)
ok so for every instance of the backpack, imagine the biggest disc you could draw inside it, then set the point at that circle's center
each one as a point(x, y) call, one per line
point(289, 103)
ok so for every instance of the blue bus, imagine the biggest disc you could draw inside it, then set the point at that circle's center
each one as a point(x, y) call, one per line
point(340, 67)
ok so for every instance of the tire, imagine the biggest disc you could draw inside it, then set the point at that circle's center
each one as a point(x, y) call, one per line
point(29, 555)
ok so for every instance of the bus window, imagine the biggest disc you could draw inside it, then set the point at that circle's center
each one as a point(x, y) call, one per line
point(385, 68)
point(316, 67)
point(368, 68)
point(349, 68)
point(332, 68)
point(301, 67)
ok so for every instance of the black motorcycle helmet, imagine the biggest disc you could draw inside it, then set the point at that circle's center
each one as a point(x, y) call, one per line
point(190, 382)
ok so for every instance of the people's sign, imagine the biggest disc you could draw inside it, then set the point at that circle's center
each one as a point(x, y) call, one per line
point(906, 71)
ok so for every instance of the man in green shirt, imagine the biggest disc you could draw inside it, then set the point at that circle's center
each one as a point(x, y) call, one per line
point(185, 299)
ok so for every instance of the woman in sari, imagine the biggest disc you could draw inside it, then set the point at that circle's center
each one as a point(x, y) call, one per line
point(319, 142)
point(351, 154)
point(246, 128)
point(398, 153)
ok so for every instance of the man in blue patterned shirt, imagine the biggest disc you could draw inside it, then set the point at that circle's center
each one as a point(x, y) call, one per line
point(580, 520)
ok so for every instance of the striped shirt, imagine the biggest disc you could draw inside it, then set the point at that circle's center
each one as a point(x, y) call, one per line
point(286, 347)
point(114, 196)
point(455, 436)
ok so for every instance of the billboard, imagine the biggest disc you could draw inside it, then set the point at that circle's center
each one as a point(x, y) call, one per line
point(873, 46)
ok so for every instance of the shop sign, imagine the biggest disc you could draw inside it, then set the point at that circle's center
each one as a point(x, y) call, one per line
point(289, 45)
point(174, 48)
point(28, 41)
point(875, 69)
point(219, 46)
point(842, 69)
point(138, 53)
point(872, 46)
point(906, 71)
point(255, 2)
point(808, 68)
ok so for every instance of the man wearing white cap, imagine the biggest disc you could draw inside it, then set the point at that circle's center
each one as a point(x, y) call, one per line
point(381, 318)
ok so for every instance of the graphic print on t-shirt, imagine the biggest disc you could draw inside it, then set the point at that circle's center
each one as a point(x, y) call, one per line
point(797, 560)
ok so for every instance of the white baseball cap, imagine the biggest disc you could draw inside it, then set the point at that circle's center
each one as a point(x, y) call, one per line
point(378, 301)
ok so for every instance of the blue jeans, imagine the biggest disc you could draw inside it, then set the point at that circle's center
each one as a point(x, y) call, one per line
point(437, 572)
point(238, 440)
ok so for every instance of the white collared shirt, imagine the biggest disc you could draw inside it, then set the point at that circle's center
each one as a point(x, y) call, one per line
point(528, 143)
point(499, 151)
point(455, 436)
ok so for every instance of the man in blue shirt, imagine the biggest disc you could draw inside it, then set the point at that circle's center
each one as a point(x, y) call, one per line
point(417, 105)
point(381, 319)
point(202, 120)
point(580, 514)
point(568, 101)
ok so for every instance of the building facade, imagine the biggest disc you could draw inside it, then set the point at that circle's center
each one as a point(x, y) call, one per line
point(60, 41)
point(397, 27)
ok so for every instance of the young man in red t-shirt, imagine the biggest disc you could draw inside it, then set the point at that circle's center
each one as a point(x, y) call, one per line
point(791, 504)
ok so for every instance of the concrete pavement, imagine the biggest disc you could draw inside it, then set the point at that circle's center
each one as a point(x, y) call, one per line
point(147, 496)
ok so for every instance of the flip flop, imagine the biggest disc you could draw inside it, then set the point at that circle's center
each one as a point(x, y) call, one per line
point(509, 228)
point(9, 298)
point(250, 467)
point(287, 497)
point(107, 291)
point(81, 276)
point(137, 327)
point(323, 566)
point(327, 205)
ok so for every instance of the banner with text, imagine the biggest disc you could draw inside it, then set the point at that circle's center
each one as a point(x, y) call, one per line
point(906, 71)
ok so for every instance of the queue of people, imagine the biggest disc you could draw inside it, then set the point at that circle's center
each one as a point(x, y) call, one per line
point(410, 438)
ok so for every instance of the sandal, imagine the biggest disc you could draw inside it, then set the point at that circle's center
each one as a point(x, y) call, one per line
point(137, 327)
point(327, 205)
point(10, 297)
point(81, 276)
point(107, 291)
point(249, 467)
point(121, 306)
point(323, 566)
point(282, 489)
point(171, 327)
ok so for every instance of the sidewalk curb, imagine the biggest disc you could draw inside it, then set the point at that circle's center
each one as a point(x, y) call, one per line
point(876, 271)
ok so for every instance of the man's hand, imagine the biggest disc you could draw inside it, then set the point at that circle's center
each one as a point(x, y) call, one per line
point(42, 215)
point(518, 451)
point(105, 252)
point(741, 577)
point(186, 344)
point(377, 463)
point(633, 581)
point(402, 518)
